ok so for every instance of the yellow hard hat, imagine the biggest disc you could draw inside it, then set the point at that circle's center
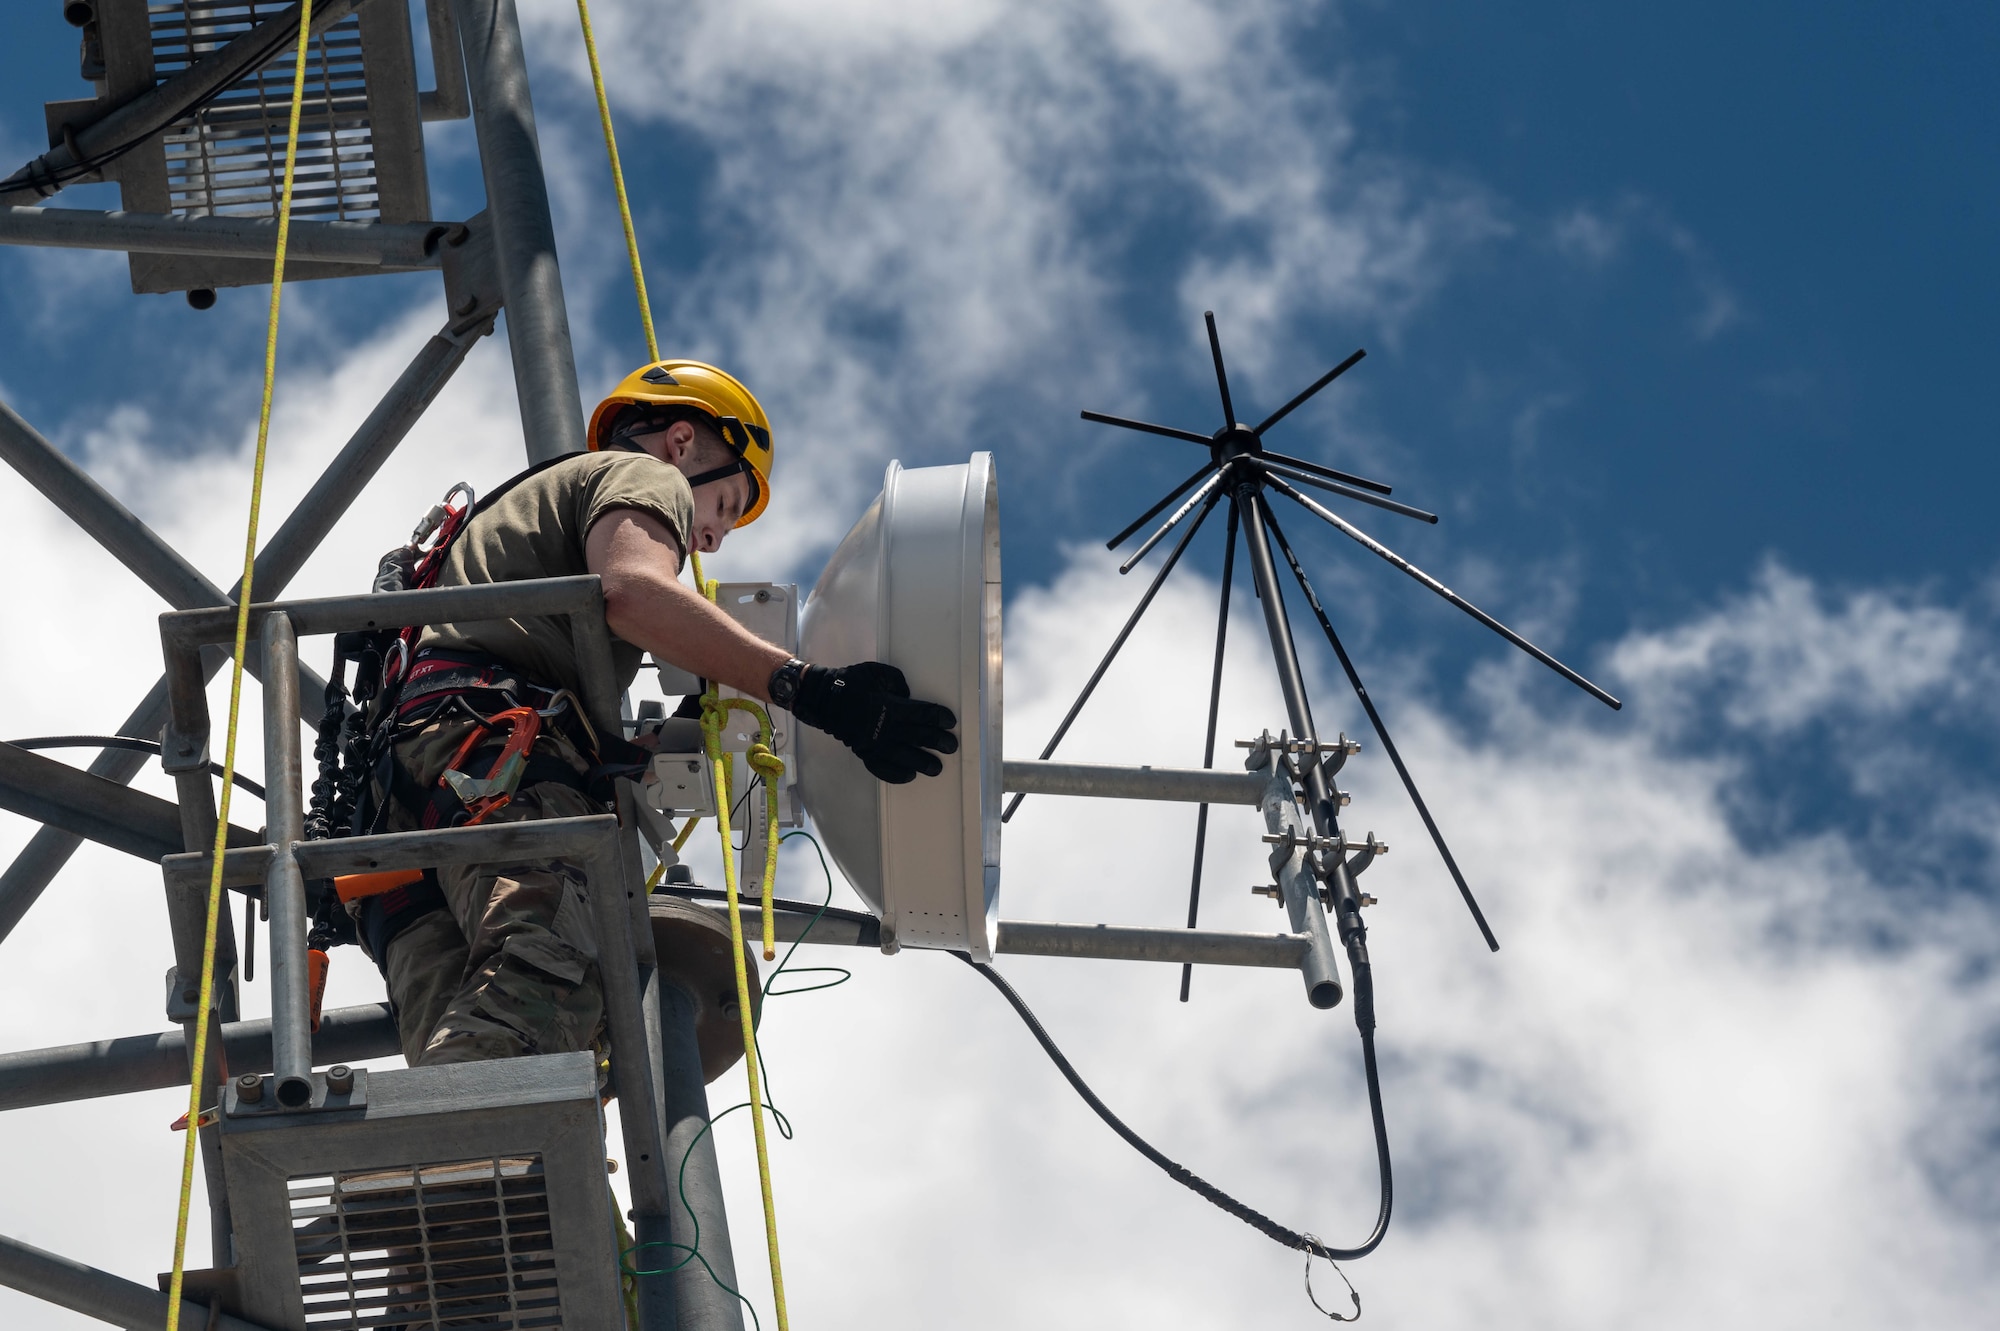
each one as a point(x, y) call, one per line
point(689, 383)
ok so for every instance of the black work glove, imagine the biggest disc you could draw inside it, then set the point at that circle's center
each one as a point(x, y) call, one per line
point(867, 707)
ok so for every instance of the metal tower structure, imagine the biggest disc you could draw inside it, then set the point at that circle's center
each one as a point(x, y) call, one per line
point(476, 1194)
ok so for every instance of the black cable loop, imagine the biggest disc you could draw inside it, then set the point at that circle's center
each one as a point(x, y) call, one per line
point(1263, 1224)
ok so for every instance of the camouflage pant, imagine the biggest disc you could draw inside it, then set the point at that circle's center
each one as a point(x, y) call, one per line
point(509, 967)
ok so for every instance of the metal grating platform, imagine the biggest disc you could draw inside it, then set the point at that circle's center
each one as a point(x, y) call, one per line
point(229, 157)
point(473, 1197)
point(467, 1245)
point(361, 147)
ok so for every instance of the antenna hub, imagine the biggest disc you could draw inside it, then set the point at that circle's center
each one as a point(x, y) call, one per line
point(1232, 442)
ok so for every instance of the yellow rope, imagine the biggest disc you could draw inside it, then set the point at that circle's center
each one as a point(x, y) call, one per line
point(713, 709)
point(639, 268)
point(767, 763)
point(618, 183)
point(199, 1061)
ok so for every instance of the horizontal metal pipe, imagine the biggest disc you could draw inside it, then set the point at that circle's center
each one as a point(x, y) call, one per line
point(1124, 942)
point(1183, 785)
point(400, 246)
point(1038, 938)
point(385, 610)
point(68, 1283)
point(97, 1068)
point(492, 843)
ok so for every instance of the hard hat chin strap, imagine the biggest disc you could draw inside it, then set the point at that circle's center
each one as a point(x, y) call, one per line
point(736, 465)
point(723, 473)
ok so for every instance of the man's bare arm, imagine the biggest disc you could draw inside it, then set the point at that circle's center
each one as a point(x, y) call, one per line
point(647, 605)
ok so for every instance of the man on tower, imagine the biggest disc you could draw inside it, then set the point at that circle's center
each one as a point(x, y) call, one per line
point(497, 960)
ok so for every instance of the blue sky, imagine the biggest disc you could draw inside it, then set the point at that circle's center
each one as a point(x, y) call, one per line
point(1678, 319)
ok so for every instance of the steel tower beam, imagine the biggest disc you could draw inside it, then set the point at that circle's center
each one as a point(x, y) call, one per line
point(517, 201)
point(289, 548)
point(85, 1289)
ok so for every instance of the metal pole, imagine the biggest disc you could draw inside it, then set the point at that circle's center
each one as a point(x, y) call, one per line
point(284, 887)
point(1292, 867)
point(1346, 900)
point(579, 595)
point(1291, 682)
point(626, 981)
point(99, 1294)
point(517, 200)
point(699, 1221)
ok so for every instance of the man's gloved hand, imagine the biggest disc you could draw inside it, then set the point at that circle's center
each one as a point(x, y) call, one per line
point(867, 707)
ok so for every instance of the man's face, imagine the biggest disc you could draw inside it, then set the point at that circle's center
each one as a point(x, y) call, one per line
point(717, 505)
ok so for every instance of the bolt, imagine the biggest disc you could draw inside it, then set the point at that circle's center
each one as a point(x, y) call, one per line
point(250, 1088)
point(340, 1079)
point(763, 595)
point(1270, 890)
point(610, 1166)
point(1367, 900)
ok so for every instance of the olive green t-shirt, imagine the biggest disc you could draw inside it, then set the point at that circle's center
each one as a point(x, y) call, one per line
point(536, 530)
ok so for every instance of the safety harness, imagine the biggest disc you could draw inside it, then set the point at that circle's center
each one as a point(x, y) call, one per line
point(399, 689)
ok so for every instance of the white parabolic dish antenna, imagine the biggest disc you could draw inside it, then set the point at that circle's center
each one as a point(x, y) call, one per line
point(916, 583)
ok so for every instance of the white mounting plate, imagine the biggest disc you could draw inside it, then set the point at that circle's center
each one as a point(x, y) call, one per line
point(771, 611)
point(680, 783)
point(916, 583)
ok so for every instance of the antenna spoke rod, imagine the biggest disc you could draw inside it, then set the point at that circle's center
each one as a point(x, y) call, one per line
point(1146, 428)
point(1447, 593)
point(1186, 507)
point(1159, 579)
point(1221, 377)
point(1300, 400)
point(1158, 508)
point(1328, 472)
point(1382, 733)
point(1335, 487)
point(1208, 745)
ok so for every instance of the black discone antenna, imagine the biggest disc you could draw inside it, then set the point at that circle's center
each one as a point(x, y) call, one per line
point(1240, 468)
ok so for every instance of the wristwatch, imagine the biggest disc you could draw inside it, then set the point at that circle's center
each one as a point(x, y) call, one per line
point(784, 685)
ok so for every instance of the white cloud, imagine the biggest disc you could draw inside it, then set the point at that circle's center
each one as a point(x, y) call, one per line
point(914, 227)
point(1784, 657)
